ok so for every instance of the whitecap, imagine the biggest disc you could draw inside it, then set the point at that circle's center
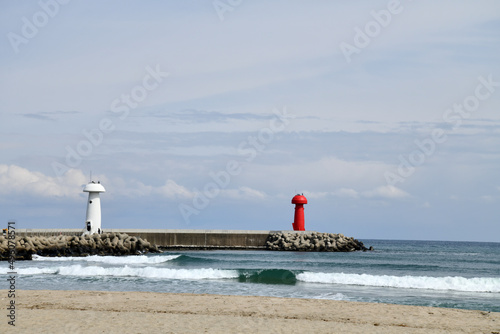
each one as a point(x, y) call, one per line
point(456, 283)
point(129, 259)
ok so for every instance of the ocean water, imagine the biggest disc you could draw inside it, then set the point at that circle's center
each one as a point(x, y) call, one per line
point(462, 275)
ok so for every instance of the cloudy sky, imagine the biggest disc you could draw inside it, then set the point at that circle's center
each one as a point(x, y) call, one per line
point(214, 114)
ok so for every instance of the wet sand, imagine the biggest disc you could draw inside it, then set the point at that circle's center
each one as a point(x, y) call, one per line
point(75, 312)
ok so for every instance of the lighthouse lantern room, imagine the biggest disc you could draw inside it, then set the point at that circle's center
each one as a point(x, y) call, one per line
point(93, 221)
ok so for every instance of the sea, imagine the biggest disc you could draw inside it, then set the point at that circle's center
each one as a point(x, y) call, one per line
point(464, 275)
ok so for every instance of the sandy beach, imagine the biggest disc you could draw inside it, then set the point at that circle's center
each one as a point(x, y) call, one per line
point(43, 311)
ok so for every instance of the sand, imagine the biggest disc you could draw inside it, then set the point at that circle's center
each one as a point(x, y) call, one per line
point(75, 312)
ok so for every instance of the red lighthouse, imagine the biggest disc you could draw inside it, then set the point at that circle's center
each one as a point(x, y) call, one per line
point(298, 222)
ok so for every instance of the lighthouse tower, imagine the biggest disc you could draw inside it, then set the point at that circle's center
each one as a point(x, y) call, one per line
point(298, 222)
point(93, 221)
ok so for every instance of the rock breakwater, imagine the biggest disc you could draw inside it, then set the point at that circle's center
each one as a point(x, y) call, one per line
point(63, 245)
point(313, 242)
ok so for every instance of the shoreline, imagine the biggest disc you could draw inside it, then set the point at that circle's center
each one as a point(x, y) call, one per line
point(66, 311)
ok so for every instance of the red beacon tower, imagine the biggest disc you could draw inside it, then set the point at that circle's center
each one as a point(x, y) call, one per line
point(298, 222)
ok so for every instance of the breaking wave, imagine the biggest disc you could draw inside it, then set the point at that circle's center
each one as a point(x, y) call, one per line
point(130, 268)
point(126, 271)
point(455, 283)
point(268, 276)
point(130, 259)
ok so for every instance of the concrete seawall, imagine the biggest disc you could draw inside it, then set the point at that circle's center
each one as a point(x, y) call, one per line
point(179, 239)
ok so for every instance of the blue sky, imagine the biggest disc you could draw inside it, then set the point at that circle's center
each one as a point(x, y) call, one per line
point(214, 114)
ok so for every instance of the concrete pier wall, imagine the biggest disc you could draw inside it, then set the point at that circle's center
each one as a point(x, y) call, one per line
point(181, 239)
point(201, 238)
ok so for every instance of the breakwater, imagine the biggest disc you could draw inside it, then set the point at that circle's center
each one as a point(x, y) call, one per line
point(70, 242)
point(72, 245)
point(178, 238)
point(313, 242)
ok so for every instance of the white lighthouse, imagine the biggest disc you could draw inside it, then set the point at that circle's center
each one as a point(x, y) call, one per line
point(93, 221)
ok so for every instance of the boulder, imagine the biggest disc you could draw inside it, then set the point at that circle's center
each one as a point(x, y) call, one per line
point(61, 245)
point(314, 241)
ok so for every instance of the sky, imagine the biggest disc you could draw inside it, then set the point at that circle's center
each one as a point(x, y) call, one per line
point(214, 114)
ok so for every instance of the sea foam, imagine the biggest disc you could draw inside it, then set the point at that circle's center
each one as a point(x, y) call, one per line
point(126, 271)
point(456, 283)
point(130, 259)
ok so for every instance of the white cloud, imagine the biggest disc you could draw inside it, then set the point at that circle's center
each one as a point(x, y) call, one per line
point(133, 188)
point(316, 194)
point(243, 193)
point(386, 192)
point(21, 181)
point(379, 192)
point(342, 192)
point(319, 175)
point(346, 192)
point(18, 180)
point(488, 198)
point(172, 190)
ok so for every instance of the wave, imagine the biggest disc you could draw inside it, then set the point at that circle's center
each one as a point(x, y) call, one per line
point(126, 271)
point(268, 276)
point(332, 296)
point(190, 260)
point(30, 271)
point(130, 259)
point(259, 276)
point(456, 283)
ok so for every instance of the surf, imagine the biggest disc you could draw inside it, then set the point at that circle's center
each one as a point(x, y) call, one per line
point(129, 259)
point(453, 283)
